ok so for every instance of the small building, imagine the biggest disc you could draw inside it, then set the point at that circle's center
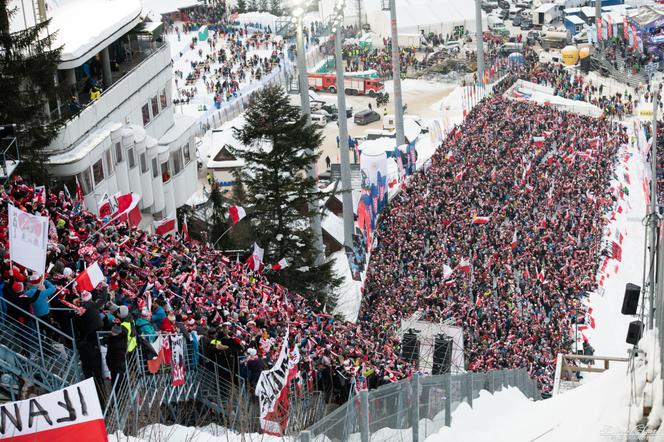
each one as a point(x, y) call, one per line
point(545, 14)
point(574, 24)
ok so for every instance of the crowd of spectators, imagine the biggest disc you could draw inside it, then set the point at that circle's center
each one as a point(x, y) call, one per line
point(515, 284)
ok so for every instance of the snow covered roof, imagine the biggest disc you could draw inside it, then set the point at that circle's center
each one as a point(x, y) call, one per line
point(181, 123)
point(333, 225)
point(574, 19)
point(86, 145)
point(166, 6)
point(84, 27)
point(413, 15)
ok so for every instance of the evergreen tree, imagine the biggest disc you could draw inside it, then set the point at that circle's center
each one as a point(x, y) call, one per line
point(218, 219)
point(252, 5)
point(277, 140)
point(28, 64)
point(262, 5)
point(241, 6)
point(275, 7)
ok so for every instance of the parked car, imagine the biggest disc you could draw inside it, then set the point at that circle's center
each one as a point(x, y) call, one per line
point(526, 24)
point(516, 21)
point(367, 116)
point(333, 111)
point(533, 37)
point(319, 120)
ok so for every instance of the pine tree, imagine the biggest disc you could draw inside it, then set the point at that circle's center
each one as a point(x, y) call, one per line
point(252, 6)
point(262, 5)
point(28, 64)
point(241, 6)
point(218, 218)
point(277, 140)
point(275, 7)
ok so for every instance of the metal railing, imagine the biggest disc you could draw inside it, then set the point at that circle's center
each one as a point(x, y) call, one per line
point(34, 349)
point(412, 410)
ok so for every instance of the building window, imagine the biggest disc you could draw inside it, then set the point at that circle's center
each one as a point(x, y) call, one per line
point(187, 153)
point(109, 162)
point(162, 98)
point(98, 171)
point(177, 161)
point(144, 163)
point(118, 152)
point(132, 157)
point(155, 106)
point(85, 180)
point(146, 114)
point(155, 168)
point(165, 172)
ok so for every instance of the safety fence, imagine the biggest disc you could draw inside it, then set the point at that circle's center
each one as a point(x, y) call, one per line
point(412, 410)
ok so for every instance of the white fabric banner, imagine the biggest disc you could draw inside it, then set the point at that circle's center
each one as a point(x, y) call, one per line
point(271, 389)
point(28, 239)
point(72, 413)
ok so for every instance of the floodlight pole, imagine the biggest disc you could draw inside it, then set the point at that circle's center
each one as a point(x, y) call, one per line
point(598, 18)
point(654, 219)
point(346, 189)
point(396, 69)
point(311, 170)
point(480, 39)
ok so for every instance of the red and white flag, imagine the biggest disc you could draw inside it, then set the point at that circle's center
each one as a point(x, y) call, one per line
point(165, 226)
point(90, 278)
point(127, 209)
point(447, 271)
point(481, 219)
point(237, 213)
point(79, 192)
point(459, 176)
point(255, 261)
point(540, 275)
point(282, 264)
point(514, 240)
point(538, 142)
point(464, 265)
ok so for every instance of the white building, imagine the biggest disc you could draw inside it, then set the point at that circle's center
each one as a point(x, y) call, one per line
point(129, 139)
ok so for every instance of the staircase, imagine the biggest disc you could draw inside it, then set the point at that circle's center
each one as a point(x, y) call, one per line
point(601, 64)
point(355, 174)
point(39, 354)
point(36, 351)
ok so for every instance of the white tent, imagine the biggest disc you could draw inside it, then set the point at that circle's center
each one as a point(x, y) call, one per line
point(414, 16)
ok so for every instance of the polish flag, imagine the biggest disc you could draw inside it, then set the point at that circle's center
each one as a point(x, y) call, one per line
point(282, 264)
point(450, 283)
point(513, 243)
point(481, 219)
point(538, 142)
point(447, 271)
point(90, 278)
point(255, 261)
point(540, 275)
point(458, 176)
point(106, 207)
point(529, 188)
point(165, 226)
point(594, 142)
point(464, 265)
point(236, 213)
point(127, 209)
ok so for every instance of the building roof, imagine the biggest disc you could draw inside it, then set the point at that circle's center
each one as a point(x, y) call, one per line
point(575, 20)
point(167, 6)
point(87, 144)
point(84, 27)
point(648, 16)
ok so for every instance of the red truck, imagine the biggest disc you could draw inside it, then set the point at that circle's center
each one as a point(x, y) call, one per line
point(352, 85)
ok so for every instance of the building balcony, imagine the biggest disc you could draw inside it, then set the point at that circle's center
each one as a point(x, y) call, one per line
point(129, 77)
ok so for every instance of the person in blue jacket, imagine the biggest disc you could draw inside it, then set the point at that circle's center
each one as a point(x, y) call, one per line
point(38, 296)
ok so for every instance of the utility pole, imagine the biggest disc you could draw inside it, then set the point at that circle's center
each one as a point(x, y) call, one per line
point(349, 219)
point(598, 19)
point(653, 218)
point(480, 39)
point(396, 69)
point(311, 170)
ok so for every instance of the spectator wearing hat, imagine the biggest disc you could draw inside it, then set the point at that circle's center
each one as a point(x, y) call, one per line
point(158, 314)
point(255, 366)
point(116, 354)
point(90, 321)
point(144, 327)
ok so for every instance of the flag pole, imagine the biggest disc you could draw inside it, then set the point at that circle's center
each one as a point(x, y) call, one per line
point(222, 235)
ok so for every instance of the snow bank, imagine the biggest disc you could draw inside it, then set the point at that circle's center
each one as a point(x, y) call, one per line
point(179, 433)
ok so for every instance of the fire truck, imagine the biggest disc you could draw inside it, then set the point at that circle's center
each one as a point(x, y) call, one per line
point(352, 85)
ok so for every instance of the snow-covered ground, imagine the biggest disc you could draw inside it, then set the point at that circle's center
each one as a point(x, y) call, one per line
point(596, 411)
point(179, 433)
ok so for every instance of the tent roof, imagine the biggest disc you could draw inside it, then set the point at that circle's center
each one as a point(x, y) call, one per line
point(423, 13)
point(648, 16)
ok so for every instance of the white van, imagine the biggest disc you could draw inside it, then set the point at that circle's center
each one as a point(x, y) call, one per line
point(495, 23)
